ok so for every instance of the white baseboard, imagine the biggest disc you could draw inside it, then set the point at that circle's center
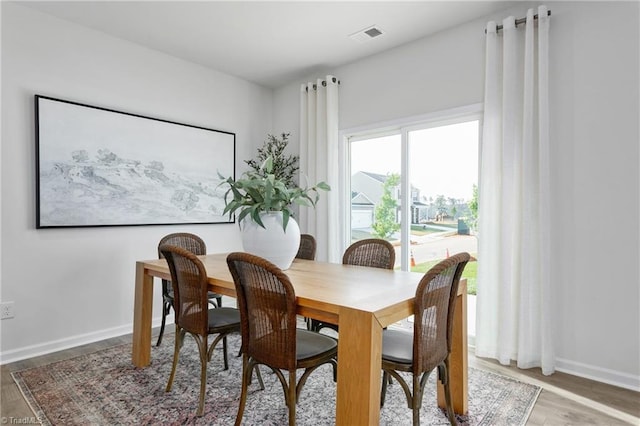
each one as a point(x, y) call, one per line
point(70, 342)
point(599, 374)
point(45, 348)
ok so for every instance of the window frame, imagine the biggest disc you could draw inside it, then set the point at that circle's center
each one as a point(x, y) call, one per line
point(402, 127)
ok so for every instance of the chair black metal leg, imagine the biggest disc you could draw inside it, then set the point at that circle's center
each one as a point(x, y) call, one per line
point(224, 353)
point(383, 393)
point(165, 311)
point(216, 302)
point(259, 376)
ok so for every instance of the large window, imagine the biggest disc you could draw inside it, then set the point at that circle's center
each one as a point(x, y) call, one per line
point(416, 186)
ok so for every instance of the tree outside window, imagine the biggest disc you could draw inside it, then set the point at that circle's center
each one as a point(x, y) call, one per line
point(386, 223)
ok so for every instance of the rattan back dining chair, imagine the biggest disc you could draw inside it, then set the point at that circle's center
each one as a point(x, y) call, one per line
point(307, 248)
point(267, 304)
point(370, 252)
point(307, 251)
point(192, 313)
point(429, 346)
point(195, 245)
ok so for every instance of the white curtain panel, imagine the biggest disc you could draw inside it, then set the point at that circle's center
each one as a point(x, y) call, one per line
point(319, 162)
point(514, 316)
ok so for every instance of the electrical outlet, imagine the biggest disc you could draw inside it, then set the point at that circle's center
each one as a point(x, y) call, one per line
point(6, 310)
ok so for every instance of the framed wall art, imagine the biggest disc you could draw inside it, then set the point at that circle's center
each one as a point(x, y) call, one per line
point(100, 167)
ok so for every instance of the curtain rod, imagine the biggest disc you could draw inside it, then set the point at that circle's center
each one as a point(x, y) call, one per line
point(324, 84)
point(519, 21)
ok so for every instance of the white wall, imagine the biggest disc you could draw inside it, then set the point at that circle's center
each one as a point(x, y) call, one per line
point(71, 286)
point(595, 91)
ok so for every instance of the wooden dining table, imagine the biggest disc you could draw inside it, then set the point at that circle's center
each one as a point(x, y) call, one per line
point(360, 300)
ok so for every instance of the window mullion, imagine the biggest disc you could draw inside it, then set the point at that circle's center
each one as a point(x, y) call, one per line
point(405, 203)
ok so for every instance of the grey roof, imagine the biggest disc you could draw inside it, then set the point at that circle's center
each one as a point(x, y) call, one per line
point(361, 199)
point(376, 176)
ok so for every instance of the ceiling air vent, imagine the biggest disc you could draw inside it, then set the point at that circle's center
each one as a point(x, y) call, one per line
point(367, 34)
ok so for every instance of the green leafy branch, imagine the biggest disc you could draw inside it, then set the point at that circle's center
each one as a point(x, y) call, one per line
point(261, 191)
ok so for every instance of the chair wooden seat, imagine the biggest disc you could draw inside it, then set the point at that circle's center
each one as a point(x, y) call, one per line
point(221, 318)
point(311, 345)
point(397, 346)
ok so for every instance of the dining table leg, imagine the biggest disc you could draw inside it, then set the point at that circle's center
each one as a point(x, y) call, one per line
point(359, 368)
point(143, 305)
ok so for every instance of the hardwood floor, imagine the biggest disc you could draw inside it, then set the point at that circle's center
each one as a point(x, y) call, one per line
point(564, 400)
point(572, 400)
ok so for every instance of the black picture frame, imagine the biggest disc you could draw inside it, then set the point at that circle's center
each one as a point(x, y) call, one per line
point(101, 167)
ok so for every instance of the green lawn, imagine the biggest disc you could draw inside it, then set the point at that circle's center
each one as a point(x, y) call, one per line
point(470, 273)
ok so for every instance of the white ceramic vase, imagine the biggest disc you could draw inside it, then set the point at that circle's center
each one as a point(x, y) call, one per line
point(271, 242)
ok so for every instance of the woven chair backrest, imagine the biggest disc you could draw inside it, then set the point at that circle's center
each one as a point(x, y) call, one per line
point(372, 252)
point(191, 242)
point(189, 282)
point(307, 248)
point(433, 312)
point(267, 304)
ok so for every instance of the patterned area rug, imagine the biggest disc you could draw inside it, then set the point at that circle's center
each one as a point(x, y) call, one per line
point(104, 388)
